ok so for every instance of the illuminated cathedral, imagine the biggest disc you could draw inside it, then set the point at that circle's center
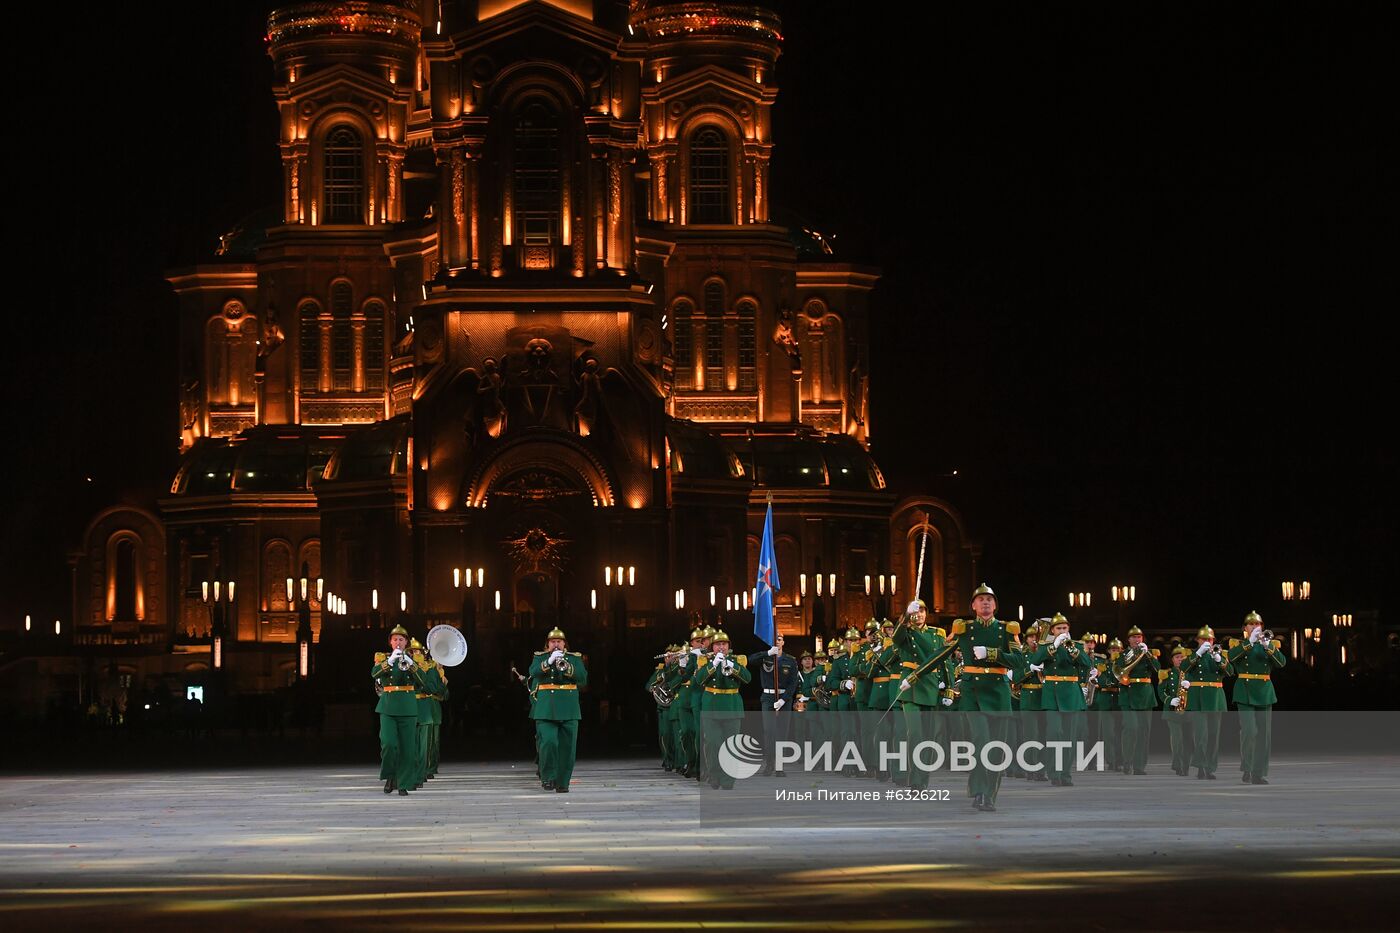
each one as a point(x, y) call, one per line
point(524, 342)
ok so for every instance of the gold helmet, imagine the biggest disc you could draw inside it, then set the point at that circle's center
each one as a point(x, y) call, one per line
point(709, 631)
point(1180, 652)
point(1253, 618)
point(886, 623)
point(820, 656)
point(555, 632)
point(1206, 632)
point(1135, 631)
point(398, 630)
point(983, 590)
point(872, 626)
point(1115, 645)
point(804, 654)
point(852, 634)
point(415, 644)
point(1058, 619)
point(697, 633)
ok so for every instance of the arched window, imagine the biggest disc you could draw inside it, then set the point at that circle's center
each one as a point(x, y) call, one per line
point(126, 580)
point(714, 336)
point(342, 349)
point(535, 170)
point(344, 177)
point(683, 344)
point(374, 345)
point(748, 346)
point(309, 345)
point(710, 202)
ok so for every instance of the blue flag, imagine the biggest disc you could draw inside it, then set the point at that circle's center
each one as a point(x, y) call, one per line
point(766, 584)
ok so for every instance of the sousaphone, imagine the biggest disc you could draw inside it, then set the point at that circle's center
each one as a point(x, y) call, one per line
point(447, 646)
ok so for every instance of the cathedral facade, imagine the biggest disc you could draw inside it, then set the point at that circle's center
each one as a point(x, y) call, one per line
point(526, 342)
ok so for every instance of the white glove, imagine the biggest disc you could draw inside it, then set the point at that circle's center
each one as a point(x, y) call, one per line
point(1255, 635)
point(905, 684)
point(775, 651)
point(821, 679)
point(1038, 668)
point(1176, 701)
point(801, 698)
point(947, 701)
point(1009, 675)
point(555, 656)
point(1186, 685)
point(848, 685)
point(1215, 656)
point(411, 662)
point(685, 659)
point(395, 654)
point(1093, 673)
point(1061, 638)
point(942, 685)
point(697, 651)
point(979, 652)
point(778, 704)
point(728, 666)
point(1200, 652)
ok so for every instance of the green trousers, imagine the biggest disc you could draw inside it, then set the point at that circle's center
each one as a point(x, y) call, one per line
point(1255, 738)
point(398, 750)
point(1206, 751)
point(718, 730)
point(1181, 741)
point(435, 749)
point(1032, 730)
point(1061, 727)
point(984, 727)
point(558, 747)
point(425, 741)
point(918, 727)
point(663, 737)
point(683, 738)
point(1137, 731)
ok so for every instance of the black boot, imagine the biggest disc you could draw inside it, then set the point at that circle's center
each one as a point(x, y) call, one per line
point(977, 802)
point(389, 786)
point(1256, 779)
point(402, 792)
point(1210, 775)
point(1244, 777)
point(561, 790)
point(547, 785)
point(988, 807)
point(1200, 774)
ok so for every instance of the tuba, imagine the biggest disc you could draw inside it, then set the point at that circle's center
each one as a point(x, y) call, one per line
point(822, 695)
point(663, 697)
point(1138, 653)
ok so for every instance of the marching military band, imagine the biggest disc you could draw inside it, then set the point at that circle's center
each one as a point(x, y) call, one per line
point(964, 683)
point(925, 683)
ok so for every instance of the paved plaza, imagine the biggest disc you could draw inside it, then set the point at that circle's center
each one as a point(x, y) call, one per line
point(483, 847)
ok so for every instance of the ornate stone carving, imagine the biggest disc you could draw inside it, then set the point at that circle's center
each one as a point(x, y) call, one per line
point(537, 551)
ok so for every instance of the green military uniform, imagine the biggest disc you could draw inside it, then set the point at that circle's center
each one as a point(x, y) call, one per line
point(701, 761)
point(1137, 673)
point(863, 665)
point(1205, 702)
point(663, 721)
point(915, 645)
point(685, 706)
point(1061, 698)
point(804, 706)
point(1253, 663)
point(398, 683)
point(986, 689)
point(558, 677)
point(841, 683)
point(722, 708)
point(1105, 709)
point(429, 712)
point(1032, 726)
point(1169, 690)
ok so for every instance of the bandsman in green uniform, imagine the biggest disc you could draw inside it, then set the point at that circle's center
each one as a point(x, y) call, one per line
point(701, 762)
point(918, 690)
point(429, 710)
point(1032, 727)
point(1205, 671)
point(804, 706)
point(397, 679)
point(863, 665)
point(820, 727)
point(1063, 662)
point(663, 717)
point(1253, 659)
point(678, 679)
point(558, 675)
point(1170, 691)
point(886, 674)
point(719, 678)
point(1136, 670)
point(989, 648)
point(842, 684)
point(1105, 706)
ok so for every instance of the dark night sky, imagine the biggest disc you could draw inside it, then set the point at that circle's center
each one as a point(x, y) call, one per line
point(1138, 260)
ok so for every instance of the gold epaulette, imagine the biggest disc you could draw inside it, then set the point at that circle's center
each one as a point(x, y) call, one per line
point(1276, 643)
point(889, 642)
point(1013, 627)
point(1234, 643)
point(941, 633)
point(538, 653)
point(1163, 675)
point(959, 626)
point(660, 666)
point(1101, 667)
point(743, 660)
point(379, 656)
point(577, 654)
point(701, 662)
point(1156, 652)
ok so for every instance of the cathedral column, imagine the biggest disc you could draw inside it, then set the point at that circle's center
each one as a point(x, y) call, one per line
point(357, 345)
point(323, 382)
